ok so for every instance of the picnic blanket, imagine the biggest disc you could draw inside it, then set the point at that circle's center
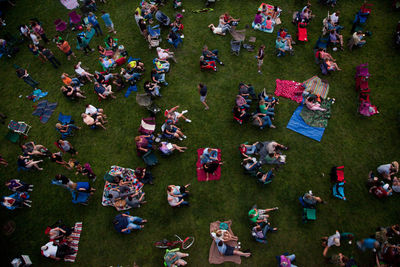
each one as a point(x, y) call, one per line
point(70, 4)
point(297, 124)
point(214, 256)
point(201, 174)
point(64, 119)
point(44, 109)
point(316, 118)
point(289, 89)
point(129, 175)
point(88, 37)
point(316, 86)
point(76, 235)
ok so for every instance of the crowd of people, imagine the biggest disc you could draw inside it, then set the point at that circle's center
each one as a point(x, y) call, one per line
point(108, 82)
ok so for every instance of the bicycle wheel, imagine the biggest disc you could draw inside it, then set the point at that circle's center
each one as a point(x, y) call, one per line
point(188, 242)
point(162, 244)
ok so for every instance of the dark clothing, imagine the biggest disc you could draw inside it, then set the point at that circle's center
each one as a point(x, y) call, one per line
point(56, 157)
point(99, 89)
point(144, 176)
point(261, 54)
point(51, 58)
point(203, 90)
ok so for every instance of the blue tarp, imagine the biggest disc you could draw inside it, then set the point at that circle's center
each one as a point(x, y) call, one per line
point(298, 125)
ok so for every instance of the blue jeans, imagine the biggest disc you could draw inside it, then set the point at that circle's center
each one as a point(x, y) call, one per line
point(251, 150)
point(266, 122)
point(97, 29)
point(176, 42)
point(184, 203)
point(28, 79)
point(291, 258)
point(132, 220)
point(215, 51)
point(75, 82)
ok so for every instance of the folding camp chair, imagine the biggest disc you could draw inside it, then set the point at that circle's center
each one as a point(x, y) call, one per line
point(147, 125)
point(144, 100)
point(150, 158)
point(338, 191)
point(74, 18)
point(19, 127)
point(309, 213)
point(235, 47)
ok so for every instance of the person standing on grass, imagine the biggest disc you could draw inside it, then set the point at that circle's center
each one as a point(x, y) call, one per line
point(66, 48)
point(260, 58)
point(96, 26)
point(203, 94)
point(107, 20)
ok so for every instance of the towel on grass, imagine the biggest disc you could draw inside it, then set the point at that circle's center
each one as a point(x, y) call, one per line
point(316, 86)
point(44, 109)
point(289, 89)
point(201, 174)
point(70, 4)
point(214, 256)
point(76, 235)
point(298, 125)
point(316, 118)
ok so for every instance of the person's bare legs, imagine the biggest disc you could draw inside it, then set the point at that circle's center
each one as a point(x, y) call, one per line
point(34, 164)
point(205, 103)
point(101, 125)
point(80, 95)
point(240, 253)
point(336, 66)
point(179, 148)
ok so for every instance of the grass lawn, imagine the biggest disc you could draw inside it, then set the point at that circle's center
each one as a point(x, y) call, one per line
point(359, 143)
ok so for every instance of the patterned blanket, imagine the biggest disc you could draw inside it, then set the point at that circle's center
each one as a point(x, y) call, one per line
point(317, 118)
point(128, 176)
point(289, 89)
point(316, 86)
point(76, 235)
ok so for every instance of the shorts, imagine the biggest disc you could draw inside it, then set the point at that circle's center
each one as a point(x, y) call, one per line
point(229, 251)
point(260, 62)
point(69, 53)
point(203, 98)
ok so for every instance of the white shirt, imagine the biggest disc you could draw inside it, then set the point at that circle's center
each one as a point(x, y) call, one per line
point(217, 30)
point(34, 38)
point(91, 110)
point(173, 201)
point(51, 250)
point(79, 70)
point(334, 18)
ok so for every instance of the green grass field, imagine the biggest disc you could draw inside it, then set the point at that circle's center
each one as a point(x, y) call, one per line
point(359, 143)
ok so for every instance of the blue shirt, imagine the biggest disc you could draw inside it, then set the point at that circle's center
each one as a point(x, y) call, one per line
point(93, 20)
point(369, 243)
point(99, 89)
point(107, 19)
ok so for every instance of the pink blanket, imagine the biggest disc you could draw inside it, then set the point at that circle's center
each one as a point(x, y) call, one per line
point(70, 4)
point(289, 89)
point(201, 174)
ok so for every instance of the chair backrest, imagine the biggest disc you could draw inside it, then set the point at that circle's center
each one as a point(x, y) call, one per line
point(74, 17)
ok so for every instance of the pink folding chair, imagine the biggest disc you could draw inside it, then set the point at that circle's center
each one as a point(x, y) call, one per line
point(60, 25)
point(74, 18)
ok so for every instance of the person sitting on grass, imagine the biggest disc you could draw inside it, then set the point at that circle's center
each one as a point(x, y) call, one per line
point(368, 243)
point(94, 112)
point(66, 129)
point(240, 114)
point(262, 120)
point(282, 46)
point(313, 104)
point(31, 149)
point(144, 175)
point(16, 200)
point(258, 216)
point(135, 200)
point(247, 150)
point(286, 37)
point(176, 194)
point(72, 92)
point(158, 77)
point(274, 158)
point(167, 148)
point(226, 250)
point(273, 146)
point(286, 260)
point(165, 54)
point(336, 38)
point(219, 30)
point(86, 170)
point(388, 170)
point(251, 164)
point(17, 185)
point(144, 143)
point(174, 259)
point(60, 232)
point(90, 121)
point(331, 65)
point(211, 55)
point(103, 90)
point(82, 187)
point(211, 167)
point(152, 89)
point(130, 76)
point(83, 73)
point(70, 81)
point(173, 130)
point(175, 116)
point(381, 191)
point(242, 103)
point(208, 155)
point(57, 158)
point(56, 251)
point(311, 200)
point(260, 231)
point(357, 39)
point(328, 242)
point(67, 147)
point(207, 64)
point(28, 163)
